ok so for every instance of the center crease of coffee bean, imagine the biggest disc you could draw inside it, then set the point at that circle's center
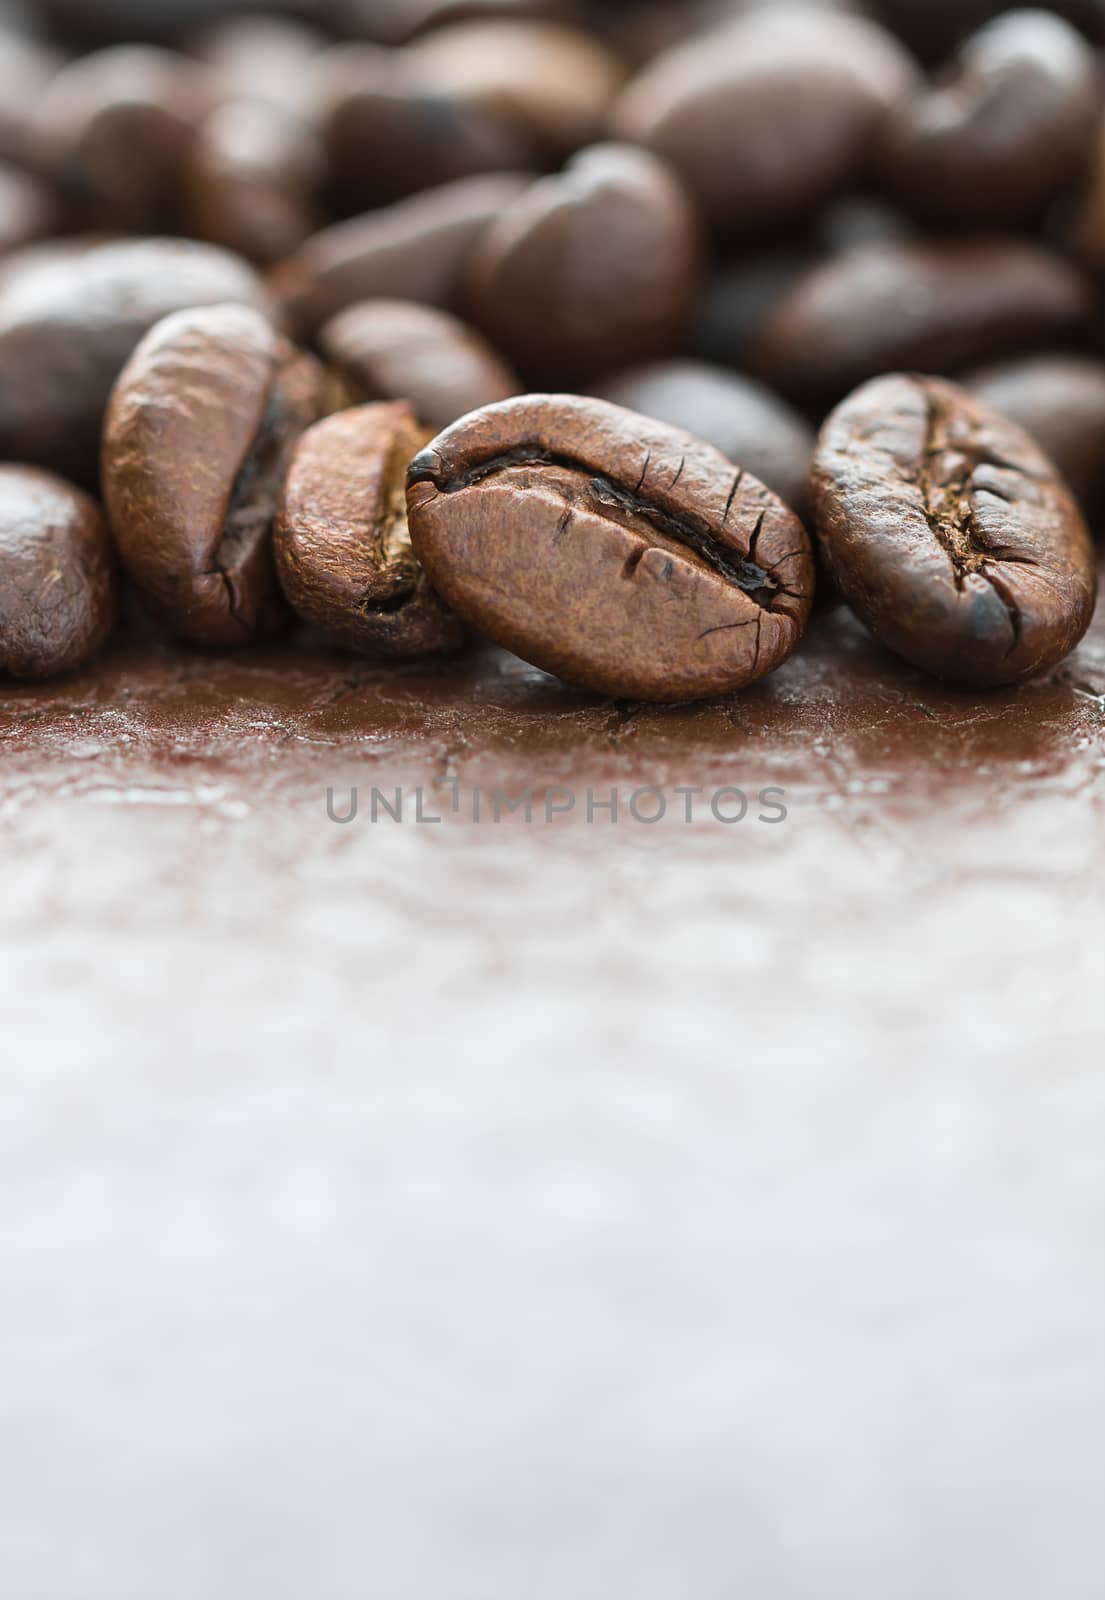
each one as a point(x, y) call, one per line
point(762, 586)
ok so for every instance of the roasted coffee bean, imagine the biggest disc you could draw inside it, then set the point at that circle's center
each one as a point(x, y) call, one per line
point(1001, 131)
point(1060, 401)
point(738, 416)
point(197, 439)
point(950, 533)
point(397, 350)
point(396, 21)
point(364, 99)
point(114, 130)
point(589, 270)
point(26, 67)
point(626, 556)
point(115, 21)
point(935, 27)
point(343, 551)
point(414, 250)
point(57, 599)
point(1089, 237)
point(554, 81)
point(769, 116)
point(267, 58)
point(27, 210)
point(251, 181)
point(70, 315)
point(929, 307)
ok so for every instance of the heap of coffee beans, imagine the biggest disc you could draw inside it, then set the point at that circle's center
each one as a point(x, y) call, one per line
point(610, 331)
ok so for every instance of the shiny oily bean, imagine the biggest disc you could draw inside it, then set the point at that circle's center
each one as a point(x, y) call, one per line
point(396, 350)
point(57, 589)
point(343, 550)
point(197, 439)
point(950, 533)
point(626, 556)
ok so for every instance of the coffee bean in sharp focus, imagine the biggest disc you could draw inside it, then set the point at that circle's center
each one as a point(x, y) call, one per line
point(626, 556)
point(197, 439)
point(928, 306)
point(70, 315)
point(950, 533)
point(735, 414)
point(1060, 400)
point(397, 350)
point(1002, 130)
point(343, 550)
point(590, 269)
point(57, 589)
point(769, 116)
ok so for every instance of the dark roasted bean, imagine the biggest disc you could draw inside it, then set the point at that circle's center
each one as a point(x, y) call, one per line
point(950, 533)
point(56, 574)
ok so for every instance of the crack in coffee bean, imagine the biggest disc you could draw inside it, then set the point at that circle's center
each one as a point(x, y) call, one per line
point(760, 584)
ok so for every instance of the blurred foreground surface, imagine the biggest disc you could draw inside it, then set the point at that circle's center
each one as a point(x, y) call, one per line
point(480, 1211)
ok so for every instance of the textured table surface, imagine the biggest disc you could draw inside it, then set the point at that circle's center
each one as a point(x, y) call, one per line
point(477, 1211)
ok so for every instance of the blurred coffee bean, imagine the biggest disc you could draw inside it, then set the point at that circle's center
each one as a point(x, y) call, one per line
point(389, 132)
point(92, 22)
point(395, 21)
point(589, 270)
point(643, 29)
point(933, 28)
point(770, 116)
point(926, 307)
point(858, 220)
point(342, 546)
point(416, 249)
point(28, 211)
point(1060, 401)
point(57, 588)
point(1089, 232)
point(197, 439)
point(397, 350)
point(70, 315)
point(26, 67)
point(260, 58)
point(252, 180)
point(1001, 131)
point(739, 417)
point(555, 82)
point(114, 129)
